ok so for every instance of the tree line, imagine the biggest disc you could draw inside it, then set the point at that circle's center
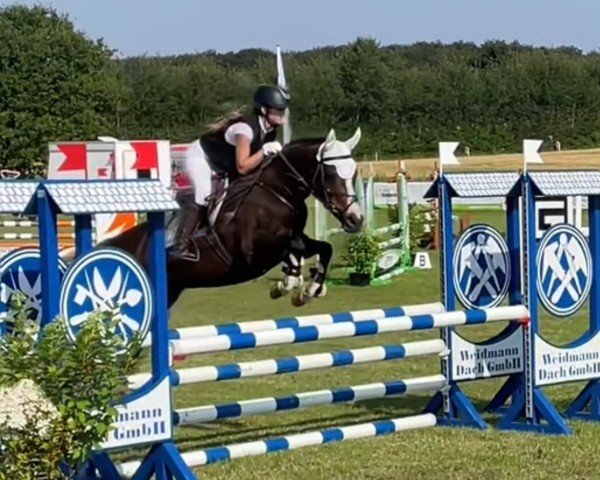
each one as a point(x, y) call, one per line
point(57, 84)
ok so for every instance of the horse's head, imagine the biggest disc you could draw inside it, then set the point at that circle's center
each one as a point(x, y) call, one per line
point(335, 187)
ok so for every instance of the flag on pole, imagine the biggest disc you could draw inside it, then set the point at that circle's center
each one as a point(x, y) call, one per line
point(530, 152)
point(281, 83)
point(446, 152)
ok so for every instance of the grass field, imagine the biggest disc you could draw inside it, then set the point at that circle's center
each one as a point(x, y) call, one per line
point(435, 453)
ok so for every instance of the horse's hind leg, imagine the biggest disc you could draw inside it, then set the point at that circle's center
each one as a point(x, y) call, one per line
point(316, 287)
point(173, 294)
point(292, 269)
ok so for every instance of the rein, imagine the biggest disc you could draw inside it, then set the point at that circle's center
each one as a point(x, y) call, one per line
point(320, 171)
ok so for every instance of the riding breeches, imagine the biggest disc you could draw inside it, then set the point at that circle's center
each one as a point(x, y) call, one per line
point(200, 175)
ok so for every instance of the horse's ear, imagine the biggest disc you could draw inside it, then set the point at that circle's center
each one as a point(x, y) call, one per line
point(352, 142)
point(330, 136)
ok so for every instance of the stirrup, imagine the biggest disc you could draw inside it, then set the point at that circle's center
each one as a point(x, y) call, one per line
point(186, 249)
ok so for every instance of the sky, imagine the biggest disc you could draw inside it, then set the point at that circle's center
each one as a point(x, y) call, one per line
point(171, 27)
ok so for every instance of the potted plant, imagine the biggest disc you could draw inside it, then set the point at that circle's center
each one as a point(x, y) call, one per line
point(362, 253)
point(57, 395)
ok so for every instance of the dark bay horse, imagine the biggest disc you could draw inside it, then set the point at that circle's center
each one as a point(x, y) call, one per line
point(260, 223)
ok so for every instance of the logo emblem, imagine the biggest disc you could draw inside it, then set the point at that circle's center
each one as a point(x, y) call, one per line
point(564, 270)
point(481, 267)
point(20, 272)
point(107, 280)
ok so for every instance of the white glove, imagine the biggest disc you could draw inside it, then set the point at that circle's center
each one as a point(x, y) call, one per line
point(271, 148)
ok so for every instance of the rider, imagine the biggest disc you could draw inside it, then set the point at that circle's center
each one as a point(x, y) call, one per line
point(232, 148)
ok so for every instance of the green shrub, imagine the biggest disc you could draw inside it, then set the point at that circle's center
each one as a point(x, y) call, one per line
point(56, 395)
point(362, 252)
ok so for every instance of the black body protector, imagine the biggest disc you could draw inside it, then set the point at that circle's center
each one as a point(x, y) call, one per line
point(221, 155)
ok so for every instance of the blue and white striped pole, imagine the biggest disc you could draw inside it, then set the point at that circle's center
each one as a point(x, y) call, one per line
point(284, 336)
point(301, 321)
point(261, 368)
point(262, 406)
point(293, 442)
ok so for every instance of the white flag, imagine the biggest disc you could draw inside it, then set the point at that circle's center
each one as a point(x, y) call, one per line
point(447, 150)
point(281, 83)
point(530, 151)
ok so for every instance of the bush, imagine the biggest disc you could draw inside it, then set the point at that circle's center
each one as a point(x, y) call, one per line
point(56, 396)
point(362, 252)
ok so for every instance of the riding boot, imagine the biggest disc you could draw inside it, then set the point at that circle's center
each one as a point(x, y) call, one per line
point(193, 218)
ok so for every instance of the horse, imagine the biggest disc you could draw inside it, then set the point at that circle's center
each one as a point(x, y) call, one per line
point(259, 223)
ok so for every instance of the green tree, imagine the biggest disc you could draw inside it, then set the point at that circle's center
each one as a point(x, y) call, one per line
point(365, 80)
point(405, 98)
point(55, 84)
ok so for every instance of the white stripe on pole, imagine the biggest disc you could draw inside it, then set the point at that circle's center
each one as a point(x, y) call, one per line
point(268, 405)
point(261, 368)
point(339, 330)
point(254, 326)
point(239, 450)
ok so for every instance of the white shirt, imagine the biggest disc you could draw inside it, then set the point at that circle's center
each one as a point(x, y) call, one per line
point(241, 128)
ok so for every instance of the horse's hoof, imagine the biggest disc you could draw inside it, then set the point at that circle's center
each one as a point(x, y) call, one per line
point(277, 290)
point(322, 292)
point(299, 299)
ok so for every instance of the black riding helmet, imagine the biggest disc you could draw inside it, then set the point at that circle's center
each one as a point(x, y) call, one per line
point(270, 97)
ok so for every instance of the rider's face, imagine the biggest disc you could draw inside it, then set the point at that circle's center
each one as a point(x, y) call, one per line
point(275, 116)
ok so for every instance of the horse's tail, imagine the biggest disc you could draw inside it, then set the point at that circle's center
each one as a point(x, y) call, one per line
point(134, 241)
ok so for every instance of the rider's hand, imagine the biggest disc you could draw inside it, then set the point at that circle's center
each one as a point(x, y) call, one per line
point(271, 148)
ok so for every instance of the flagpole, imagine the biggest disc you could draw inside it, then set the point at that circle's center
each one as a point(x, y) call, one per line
point(282, 83)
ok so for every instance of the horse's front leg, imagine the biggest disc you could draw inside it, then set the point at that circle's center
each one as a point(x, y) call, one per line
point(316, 287)
point(292, 269)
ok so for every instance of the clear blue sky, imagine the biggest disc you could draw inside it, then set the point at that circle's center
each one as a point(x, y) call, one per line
point(165, 27)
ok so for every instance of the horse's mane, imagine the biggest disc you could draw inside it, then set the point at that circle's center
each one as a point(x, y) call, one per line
point(306, 141)
point(289, 149)
point(241, 185)
point(302, 143)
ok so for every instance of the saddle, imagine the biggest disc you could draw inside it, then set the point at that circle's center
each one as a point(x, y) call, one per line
point(215, 201)
point(182, 230)
point(188, 246)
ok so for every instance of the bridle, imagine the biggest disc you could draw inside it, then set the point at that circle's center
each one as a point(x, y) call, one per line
point(319, 173)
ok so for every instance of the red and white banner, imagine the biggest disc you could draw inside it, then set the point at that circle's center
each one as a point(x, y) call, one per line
point(107, 160)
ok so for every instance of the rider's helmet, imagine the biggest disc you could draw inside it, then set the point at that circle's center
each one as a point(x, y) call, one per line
point(266, 96)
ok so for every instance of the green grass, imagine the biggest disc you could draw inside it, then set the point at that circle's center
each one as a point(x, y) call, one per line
point(434, 453)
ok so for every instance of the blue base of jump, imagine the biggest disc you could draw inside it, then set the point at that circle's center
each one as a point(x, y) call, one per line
point(462, 412)
point(163, 462)
point(546, 419)
point(587, 404)
point(498, 404)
